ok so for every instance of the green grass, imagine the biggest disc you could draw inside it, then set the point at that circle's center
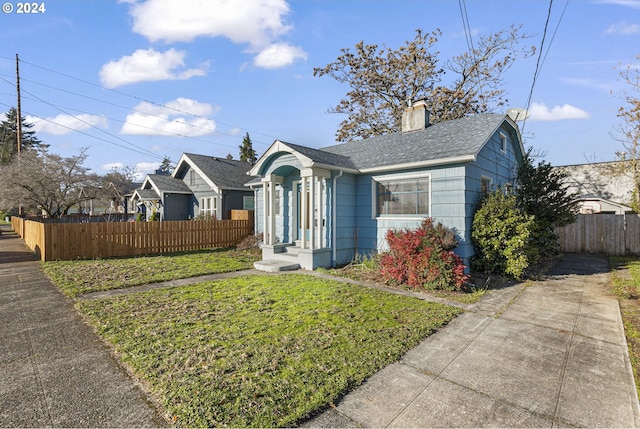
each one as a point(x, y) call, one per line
point(259, 351)
point(78, 277)
point(625, 276)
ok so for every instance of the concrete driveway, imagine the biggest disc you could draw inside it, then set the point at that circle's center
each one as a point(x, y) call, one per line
point(540, 354)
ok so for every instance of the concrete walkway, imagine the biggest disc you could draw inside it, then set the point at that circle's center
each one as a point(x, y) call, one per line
point(544, 354)
point(54, 371)
point(541, 354)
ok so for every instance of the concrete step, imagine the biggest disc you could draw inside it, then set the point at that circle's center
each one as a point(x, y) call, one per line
point(274, 266)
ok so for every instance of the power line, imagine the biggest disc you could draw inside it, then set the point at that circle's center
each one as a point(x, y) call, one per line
point(540, 61)
point(137, 97)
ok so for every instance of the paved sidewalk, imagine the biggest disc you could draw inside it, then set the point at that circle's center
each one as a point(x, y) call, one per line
point(548, 354)
point(54, 371)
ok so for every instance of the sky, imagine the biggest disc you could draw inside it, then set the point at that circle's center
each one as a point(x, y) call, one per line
point(133, 81)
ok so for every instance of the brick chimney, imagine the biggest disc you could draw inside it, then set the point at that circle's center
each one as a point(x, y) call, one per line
point(415, 117)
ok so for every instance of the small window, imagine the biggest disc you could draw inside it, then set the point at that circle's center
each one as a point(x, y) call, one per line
point(248, 203)
point(485, 183)
point(402, 197)
point(208, 206)
point(503, 143)
point(192, 177)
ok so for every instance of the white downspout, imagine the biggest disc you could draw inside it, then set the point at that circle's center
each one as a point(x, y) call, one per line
point(334, 210)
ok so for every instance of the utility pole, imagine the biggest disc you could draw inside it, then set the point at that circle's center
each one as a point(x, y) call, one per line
point(18, 121)
point(19, 112)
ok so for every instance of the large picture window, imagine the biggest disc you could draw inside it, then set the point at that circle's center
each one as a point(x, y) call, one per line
point(408, 196)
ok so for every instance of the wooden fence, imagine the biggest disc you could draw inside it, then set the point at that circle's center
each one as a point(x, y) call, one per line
point(607, 234)
point(65, 241)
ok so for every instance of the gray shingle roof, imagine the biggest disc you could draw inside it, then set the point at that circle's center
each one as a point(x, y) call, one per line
point(323, 156)
point(450, 139)
point(225, 173)
point(147, 194)
point(169, 184)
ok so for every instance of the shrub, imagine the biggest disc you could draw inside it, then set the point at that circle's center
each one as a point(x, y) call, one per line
point(422, 258)
point(251, 242)
point(502, 236)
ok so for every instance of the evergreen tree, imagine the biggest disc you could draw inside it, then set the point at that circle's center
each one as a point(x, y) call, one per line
point(543, 193)
point(246, 150)
point(165, 166)
point(9, 137)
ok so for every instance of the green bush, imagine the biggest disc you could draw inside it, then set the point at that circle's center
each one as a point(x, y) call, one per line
point(502, 236)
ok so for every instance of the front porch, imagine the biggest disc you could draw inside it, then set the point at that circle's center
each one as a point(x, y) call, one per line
point(295, 219)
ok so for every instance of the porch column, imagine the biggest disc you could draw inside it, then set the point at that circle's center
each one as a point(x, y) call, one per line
point(321, 181)
point(269, 209)
point(312, 200)
point(265, 212)
point(303, 211)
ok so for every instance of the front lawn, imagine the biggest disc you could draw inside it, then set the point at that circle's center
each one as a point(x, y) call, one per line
point(259, 351)
point(78, 277)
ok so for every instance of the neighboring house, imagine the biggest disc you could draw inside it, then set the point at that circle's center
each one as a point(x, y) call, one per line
point(593, 205)
point(323, 207)
point(217, 184)
point(599, 180)
point(200, 186)
point(109, 200)
point(165, 195)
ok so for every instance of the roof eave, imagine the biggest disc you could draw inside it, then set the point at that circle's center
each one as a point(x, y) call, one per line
point(335, 167)
point(420, 164)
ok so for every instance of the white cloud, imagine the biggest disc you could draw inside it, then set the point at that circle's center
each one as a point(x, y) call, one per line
point(540, 112)
point(623, 28)
point(279, 55)
point(257, 23)
point(180, 117)
point(634, 4)
point(246, 21)
point(148, 65)
point(144, 168)
point(65, 124)
point(112, 165)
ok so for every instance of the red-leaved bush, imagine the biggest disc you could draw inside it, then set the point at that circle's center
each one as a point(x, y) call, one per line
point(422, 258)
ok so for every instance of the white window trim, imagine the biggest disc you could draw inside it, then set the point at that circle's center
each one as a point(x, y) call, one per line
point(399, 176)
point(503, 143)
point(483, 178)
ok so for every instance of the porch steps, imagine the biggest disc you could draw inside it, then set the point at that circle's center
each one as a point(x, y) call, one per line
point(274, 266)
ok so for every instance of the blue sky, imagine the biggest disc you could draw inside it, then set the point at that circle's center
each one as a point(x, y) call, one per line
point(136, 80)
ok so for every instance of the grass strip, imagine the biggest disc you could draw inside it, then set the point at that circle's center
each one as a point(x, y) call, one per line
point(83, 276)
point(259, 351)
point(625, 276)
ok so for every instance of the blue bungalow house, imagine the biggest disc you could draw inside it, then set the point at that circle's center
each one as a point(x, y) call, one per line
point(322, 207)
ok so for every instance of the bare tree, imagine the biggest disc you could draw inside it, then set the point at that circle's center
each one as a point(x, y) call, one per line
point(47, 182)
point(382, 80)
point(628, 133)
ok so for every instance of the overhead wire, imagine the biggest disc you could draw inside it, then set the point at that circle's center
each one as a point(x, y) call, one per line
point(133, 147)
point(135, 97)
point(540, 60)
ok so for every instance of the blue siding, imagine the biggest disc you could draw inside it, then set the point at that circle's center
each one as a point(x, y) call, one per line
point(346, 231)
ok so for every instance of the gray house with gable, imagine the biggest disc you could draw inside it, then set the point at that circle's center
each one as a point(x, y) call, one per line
point(200, 186)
